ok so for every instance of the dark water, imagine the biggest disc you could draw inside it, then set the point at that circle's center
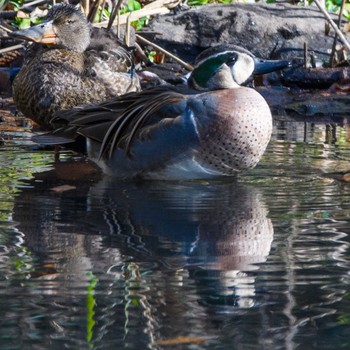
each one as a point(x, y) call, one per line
point(258, 263)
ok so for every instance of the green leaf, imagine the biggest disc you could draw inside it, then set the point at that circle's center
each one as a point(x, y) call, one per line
point(25, 23)
point(133, 5)
point(15, 4)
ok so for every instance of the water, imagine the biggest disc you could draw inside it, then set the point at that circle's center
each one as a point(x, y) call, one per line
point(258, 263)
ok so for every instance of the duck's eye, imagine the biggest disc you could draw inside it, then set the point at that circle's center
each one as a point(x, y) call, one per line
point(70, 21)
point(231, 61)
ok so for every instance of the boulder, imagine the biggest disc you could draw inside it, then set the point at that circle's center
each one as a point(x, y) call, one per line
point(268, 30)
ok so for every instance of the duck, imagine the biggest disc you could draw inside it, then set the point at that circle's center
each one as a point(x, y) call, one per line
point(64, 67)
point(212, 128)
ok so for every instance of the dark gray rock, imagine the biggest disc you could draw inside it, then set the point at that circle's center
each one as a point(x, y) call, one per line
point(268, 30)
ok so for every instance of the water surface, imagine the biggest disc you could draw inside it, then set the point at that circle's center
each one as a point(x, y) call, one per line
point(258, 263)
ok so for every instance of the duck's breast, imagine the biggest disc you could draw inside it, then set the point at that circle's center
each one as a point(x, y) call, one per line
point(235, 129)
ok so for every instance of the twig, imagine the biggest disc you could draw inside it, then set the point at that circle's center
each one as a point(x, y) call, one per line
point(11, 48)
point(93, 8)
point(305, 55)
point(118, 25)
point(32, 3)
point(186, 65)
point(127, 32)
point(313, 60)
point(114, 13)
point(331, 60)
point(335, 27)
point(102, 7)
point(87, 9)
point(5, 29)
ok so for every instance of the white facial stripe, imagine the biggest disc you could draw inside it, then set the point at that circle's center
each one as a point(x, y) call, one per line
point(243, 68)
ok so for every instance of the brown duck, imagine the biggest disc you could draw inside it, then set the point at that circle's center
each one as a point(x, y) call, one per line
point(64, 68)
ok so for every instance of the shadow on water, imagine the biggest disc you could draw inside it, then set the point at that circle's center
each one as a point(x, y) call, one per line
point(154, 259)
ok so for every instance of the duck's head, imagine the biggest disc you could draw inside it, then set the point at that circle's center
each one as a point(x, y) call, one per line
point(223, 70)
point(229, 69)
point(65, 26)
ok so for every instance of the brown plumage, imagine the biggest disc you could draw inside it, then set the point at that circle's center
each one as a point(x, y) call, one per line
point(64, 68)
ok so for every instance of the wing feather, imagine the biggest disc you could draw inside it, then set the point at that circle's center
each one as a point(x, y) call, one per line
point(117, 122)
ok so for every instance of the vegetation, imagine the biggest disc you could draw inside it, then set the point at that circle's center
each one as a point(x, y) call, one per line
point(23, 21)
point(134, 5)
point(334, 6)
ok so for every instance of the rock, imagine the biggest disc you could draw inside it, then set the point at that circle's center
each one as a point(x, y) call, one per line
point(268, 30)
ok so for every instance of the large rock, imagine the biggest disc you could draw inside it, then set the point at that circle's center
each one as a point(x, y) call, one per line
point(268, 30)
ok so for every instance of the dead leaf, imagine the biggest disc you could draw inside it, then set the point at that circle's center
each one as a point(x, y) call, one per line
point(47, 276)
point(63, 188)
point(11, 128)
point(38, 13)
point(346, 27)
point(345, 177)
point(182, 340)
point(21, 14)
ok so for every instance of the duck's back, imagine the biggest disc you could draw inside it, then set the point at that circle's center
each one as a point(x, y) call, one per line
point(113, 69)
point(55, 79)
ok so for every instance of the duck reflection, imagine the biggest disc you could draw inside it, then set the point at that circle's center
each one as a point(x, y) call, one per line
point(218, 229)
point(173, 247)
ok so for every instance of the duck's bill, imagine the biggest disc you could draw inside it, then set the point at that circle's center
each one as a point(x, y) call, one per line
point(268, 66)
point(43, 33)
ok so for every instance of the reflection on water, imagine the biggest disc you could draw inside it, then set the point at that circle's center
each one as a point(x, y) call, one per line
point(153, 246)
point(257, 263)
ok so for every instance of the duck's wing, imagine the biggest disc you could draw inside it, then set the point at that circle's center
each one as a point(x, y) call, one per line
point(116, 59)
point(117, 122)
point(67, 123)
point(114, 69)
point(113, 66)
